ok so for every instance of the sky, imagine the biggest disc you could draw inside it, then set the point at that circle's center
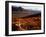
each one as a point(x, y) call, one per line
point(28, 6)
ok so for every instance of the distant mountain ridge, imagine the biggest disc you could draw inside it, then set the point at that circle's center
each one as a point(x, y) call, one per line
point(21, 12)
point(17, 8)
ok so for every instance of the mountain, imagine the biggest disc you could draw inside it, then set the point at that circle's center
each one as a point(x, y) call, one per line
point(17, 8)
point(21, 12)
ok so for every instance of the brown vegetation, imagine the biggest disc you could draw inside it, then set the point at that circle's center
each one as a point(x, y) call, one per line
point(31, 23)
